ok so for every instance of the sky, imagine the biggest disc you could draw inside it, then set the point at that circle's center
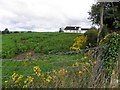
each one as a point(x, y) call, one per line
point(44, 15)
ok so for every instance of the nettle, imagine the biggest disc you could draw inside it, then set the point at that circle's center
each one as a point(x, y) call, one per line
point(110, 53)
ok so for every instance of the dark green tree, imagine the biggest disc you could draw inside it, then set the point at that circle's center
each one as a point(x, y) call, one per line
point(60, 30)
point(6, 31)
point(111, 15)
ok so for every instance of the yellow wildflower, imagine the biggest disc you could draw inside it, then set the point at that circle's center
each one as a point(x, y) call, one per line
point(37, 70)
point(29, 54)
point(62, 72)
point(90, 60)
point(87, 64)
point(76, 64)
point(80, 72)
point(25, 86)
point(84, 70)
point(94, 63)
point(113, 73)
point(54, 71)
point(6, 81)
point(73, 65)
point(29, 79)
point(14, 76)
point(49, 78)
point(18, 79)
point(54, 77)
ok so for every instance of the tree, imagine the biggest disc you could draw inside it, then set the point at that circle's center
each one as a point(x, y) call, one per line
point(60, 30)
point(101, 21)
point(6, 31)
point(111, 15)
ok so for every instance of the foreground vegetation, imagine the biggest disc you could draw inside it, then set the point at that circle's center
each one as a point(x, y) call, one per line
point(61, 70)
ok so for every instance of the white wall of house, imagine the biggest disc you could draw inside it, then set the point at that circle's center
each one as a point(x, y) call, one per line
point(83, 31)
point(73, 31)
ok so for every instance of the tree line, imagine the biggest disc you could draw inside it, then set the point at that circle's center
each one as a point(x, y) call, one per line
point(6, 31)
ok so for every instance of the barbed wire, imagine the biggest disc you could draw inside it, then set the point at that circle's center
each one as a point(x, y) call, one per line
point(66, 53)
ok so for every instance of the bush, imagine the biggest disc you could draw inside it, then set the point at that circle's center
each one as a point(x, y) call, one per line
point(104, 32)
point(110, 53)
point(91, 37)
point(79, 43)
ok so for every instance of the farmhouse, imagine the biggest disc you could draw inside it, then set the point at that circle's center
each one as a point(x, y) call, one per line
point(74, 29)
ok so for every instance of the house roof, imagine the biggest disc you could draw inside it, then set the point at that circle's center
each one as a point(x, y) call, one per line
point(71, 28)
point(85, 28)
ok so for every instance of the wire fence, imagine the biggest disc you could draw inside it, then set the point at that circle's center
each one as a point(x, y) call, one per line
point(73, 69)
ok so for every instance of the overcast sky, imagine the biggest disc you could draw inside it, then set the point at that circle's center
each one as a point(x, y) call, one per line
point(44, 15)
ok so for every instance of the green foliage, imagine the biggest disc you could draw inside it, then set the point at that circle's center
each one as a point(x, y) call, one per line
point(110, 53)
point(91, 37)
point(14, 44)
point(77, 72)
point(104, 32)
point(111, 15)
point(6, 31)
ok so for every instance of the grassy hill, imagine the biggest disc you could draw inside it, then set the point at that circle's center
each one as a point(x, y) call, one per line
point(44, 43)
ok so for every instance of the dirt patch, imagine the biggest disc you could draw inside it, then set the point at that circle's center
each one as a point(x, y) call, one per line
point(30, 55)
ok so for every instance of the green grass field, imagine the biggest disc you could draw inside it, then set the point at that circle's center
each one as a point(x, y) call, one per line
point(41, 44)
point(44, 43)
point(21, 52)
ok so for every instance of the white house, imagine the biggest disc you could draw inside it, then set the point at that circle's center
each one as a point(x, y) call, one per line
point(72, 29)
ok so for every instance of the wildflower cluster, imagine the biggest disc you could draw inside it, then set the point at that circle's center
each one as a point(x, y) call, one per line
point(56, 78)
point(49, 78)
point(79, 42)
point(88, 53)
point(29, 54)
point(62, 72)
point(16, 78)
point(37, 70)
point(28, 81)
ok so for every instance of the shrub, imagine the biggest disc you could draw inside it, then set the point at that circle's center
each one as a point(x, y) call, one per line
point(79, 42)
point(110, 53)
point(104, 32)
point(91, 37)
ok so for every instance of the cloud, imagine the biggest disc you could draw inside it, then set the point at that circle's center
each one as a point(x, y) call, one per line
point(43, 15)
